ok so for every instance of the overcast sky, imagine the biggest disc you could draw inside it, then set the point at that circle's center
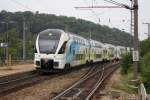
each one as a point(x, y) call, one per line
point(119, 17)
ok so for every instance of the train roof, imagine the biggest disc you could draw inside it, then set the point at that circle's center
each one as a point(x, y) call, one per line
point(96, 43)
point(59, 31)
point(79, 38)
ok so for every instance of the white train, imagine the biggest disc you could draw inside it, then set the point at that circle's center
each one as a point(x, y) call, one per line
point(56, 50)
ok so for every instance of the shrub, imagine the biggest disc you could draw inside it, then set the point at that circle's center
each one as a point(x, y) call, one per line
point(145, 70)
point(126, 63)
point(144, 47)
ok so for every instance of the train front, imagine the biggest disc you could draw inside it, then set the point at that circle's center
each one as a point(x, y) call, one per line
point(50, 50)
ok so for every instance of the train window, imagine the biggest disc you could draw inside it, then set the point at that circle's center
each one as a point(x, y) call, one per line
point(73, 52)
point(35, 50)
point(76, 41)
point(62, 49)
point(48, 41)
point(70, 49)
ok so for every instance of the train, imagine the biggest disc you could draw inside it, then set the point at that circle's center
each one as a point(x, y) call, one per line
point(56, 49)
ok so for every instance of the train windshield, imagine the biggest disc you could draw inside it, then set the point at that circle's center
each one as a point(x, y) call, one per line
point(48, 41)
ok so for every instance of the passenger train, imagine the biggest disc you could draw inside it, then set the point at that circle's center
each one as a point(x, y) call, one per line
point(56, 49)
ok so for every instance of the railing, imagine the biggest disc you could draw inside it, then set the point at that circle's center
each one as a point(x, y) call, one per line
point(142, 92)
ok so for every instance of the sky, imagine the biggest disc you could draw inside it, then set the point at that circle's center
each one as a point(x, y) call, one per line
point(115, 17)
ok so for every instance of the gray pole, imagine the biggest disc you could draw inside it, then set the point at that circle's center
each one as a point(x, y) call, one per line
point(24, 40)
point(136, 40)
point(7, 51)
point(149, 30)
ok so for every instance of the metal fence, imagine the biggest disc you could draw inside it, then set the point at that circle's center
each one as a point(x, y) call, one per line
point(142, 92)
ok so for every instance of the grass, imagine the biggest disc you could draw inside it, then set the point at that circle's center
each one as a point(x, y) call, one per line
point(123, 83)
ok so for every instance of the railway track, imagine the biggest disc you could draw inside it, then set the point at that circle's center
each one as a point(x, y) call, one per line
point(15, 82)
point(12, 83)
point(84, 88)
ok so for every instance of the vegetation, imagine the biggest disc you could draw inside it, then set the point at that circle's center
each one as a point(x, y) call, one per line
point(144, 64)
point(126, 63)
point(122, 83)
point(36, 22)
point(145, 47)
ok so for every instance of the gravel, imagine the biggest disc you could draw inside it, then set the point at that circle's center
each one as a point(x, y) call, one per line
point(8, 70)
point(46, 89)
point(111, 92)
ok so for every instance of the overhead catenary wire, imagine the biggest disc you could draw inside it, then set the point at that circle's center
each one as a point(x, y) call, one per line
point(118, 4)
point(94, 13)
point(114, 2)
point(21, 4)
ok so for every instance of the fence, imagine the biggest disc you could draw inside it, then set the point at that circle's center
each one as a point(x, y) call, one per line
point(142, 92)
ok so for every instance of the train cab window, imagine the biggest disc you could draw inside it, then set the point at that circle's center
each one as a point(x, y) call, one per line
point(62, 49)
point(35, 50)
point(48, 41)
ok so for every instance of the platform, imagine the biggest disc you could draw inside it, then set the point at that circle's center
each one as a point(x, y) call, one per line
point(8, 70)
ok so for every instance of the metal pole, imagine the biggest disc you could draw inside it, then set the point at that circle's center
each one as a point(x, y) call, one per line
point(7, 51)
point(24, 40)
point(136, 40)
point(148, 30)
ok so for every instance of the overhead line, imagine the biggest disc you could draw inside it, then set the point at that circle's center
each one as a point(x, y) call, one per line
point(118, 4)
point(92, 10)
point(20, 4)
point(100, 7)
point(114, 2)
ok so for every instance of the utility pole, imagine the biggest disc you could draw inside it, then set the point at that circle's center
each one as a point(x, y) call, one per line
point(7, 50)
point(148, 29)
point(24, 39)
point(132, 22)
point(135, 40)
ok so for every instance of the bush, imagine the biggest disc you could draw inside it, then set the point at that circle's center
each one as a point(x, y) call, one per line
point(126, 63)
point(144, 47)
point(145, 70)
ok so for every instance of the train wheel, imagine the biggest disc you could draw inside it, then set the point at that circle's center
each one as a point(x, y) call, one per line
point(67, 67)
point(87, 62)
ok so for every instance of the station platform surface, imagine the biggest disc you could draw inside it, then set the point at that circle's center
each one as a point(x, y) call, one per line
point(8, 70)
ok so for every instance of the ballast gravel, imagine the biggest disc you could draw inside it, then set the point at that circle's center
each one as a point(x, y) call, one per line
point(45, 90)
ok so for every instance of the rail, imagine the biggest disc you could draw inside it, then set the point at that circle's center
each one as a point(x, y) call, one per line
point(82, 90)
point(11, 82)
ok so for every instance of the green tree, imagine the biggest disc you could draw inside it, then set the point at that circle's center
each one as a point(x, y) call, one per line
point(145, 47)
